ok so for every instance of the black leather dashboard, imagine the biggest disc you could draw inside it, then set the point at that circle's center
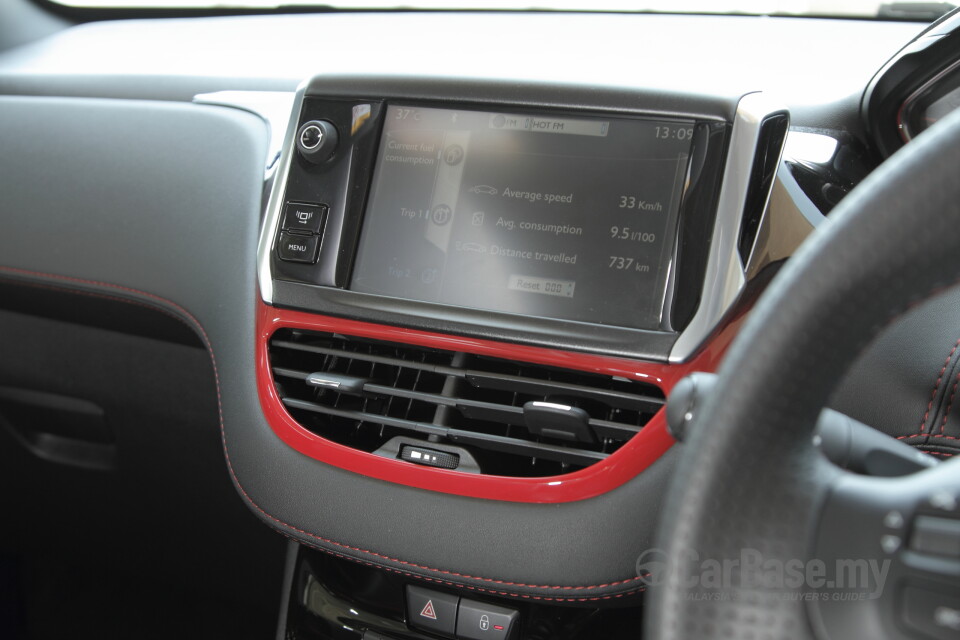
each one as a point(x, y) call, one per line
point(185, 243)
point(129, 192)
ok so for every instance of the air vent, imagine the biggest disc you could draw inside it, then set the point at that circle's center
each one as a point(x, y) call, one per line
point(514, 419)
point(773, 133)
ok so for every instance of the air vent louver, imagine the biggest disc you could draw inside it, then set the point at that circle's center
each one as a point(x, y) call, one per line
point(453, 398)
point(773, 132)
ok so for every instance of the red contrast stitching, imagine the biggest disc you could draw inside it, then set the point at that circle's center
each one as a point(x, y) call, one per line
point(465, 586)
point(926, 435)
point(953, 393)
point(206, 340)
point(104, 296)
point(936, 387)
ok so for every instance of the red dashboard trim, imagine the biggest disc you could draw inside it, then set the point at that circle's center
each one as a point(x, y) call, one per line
point(632, 458)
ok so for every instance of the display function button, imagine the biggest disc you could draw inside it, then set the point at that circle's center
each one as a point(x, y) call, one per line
point(304, 217)
point(936, 536)
point(298, 248)
point(432, 611)
point(479, 621)
point(934, 614)
point(430, 457)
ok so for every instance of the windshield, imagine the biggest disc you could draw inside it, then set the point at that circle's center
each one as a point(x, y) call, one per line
point(852, 8)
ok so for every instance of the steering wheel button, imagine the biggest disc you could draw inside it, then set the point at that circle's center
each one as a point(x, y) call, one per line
point(944, 501)
point(481, 621)
point(889, 543)
point(932, 613)
point(893, 520)
point(936, 536)
point(432, 611)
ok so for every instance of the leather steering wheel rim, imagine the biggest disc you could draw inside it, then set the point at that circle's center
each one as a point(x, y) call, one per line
point(749, 477)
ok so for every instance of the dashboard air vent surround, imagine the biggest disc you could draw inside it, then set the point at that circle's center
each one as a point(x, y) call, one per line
point(453, 398)
point(773, 134)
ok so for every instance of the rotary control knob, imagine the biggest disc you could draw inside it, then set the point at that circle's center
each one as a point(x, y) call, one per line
point(317, 140)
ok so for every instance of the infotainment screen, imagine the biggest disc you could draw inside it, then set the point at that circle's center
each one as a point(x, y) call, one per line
point(547, 215)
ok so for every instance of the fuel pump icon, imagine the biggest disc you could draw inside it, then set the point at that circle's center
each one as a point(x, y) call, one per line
point(484, 622)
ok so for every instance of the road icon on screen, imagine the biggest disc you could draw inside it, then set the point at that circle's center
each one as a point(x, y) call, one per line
point(428, 611)
point(478, 218)
point(484, 188)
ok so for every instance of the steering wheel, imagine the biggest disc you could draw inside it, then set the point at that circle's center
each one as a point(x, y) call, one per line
point(761, 536)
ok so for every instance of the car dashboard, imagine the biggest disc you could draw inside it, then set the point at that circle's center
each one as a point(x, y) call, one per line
point(443, 268)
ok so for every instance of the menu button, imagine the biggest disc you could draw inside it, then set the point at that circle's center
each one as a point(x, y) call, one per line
point(298, 248)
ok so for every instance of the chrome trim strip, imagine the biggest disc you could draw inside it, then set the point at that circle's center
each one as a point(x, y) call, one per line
point(275, 202)
point(725, 276)
point(551, 405)
point(317, 380)
point(789, 218)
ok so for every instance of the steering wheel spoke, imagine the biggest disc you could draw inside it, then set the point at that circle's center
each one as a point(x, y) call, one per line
point(887, 540)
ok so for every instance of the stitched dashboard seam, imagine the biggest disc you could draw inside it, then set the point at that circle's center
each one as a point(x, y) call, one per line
point(188, 319)
point(946, 414)
point(927, 435)
point(467, 586)
point(936, 387)
point(934, 440)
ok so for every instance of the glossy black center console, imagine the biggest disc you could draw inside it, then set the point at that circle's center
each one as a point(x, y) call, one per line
point(327, 598)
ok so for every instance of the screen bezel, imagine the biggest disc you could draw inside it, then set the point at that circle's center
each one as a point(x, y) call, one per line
point(295, 286)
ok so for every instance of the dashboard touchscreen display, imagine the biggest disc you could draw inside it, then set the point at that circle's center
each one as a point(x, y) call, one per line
point(544, 215)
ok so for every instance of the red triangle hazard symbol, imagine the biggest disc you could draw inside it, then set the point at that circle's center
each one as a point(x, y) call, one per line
point(428, 611)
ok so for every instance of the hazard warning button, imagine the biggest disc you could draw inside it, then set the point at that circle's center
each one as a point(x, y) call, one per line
point(432, 610)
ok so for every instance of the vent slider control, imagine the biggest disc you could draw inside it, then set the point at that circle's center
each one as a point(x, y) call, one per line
point(350, 385)
point(554, 420)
